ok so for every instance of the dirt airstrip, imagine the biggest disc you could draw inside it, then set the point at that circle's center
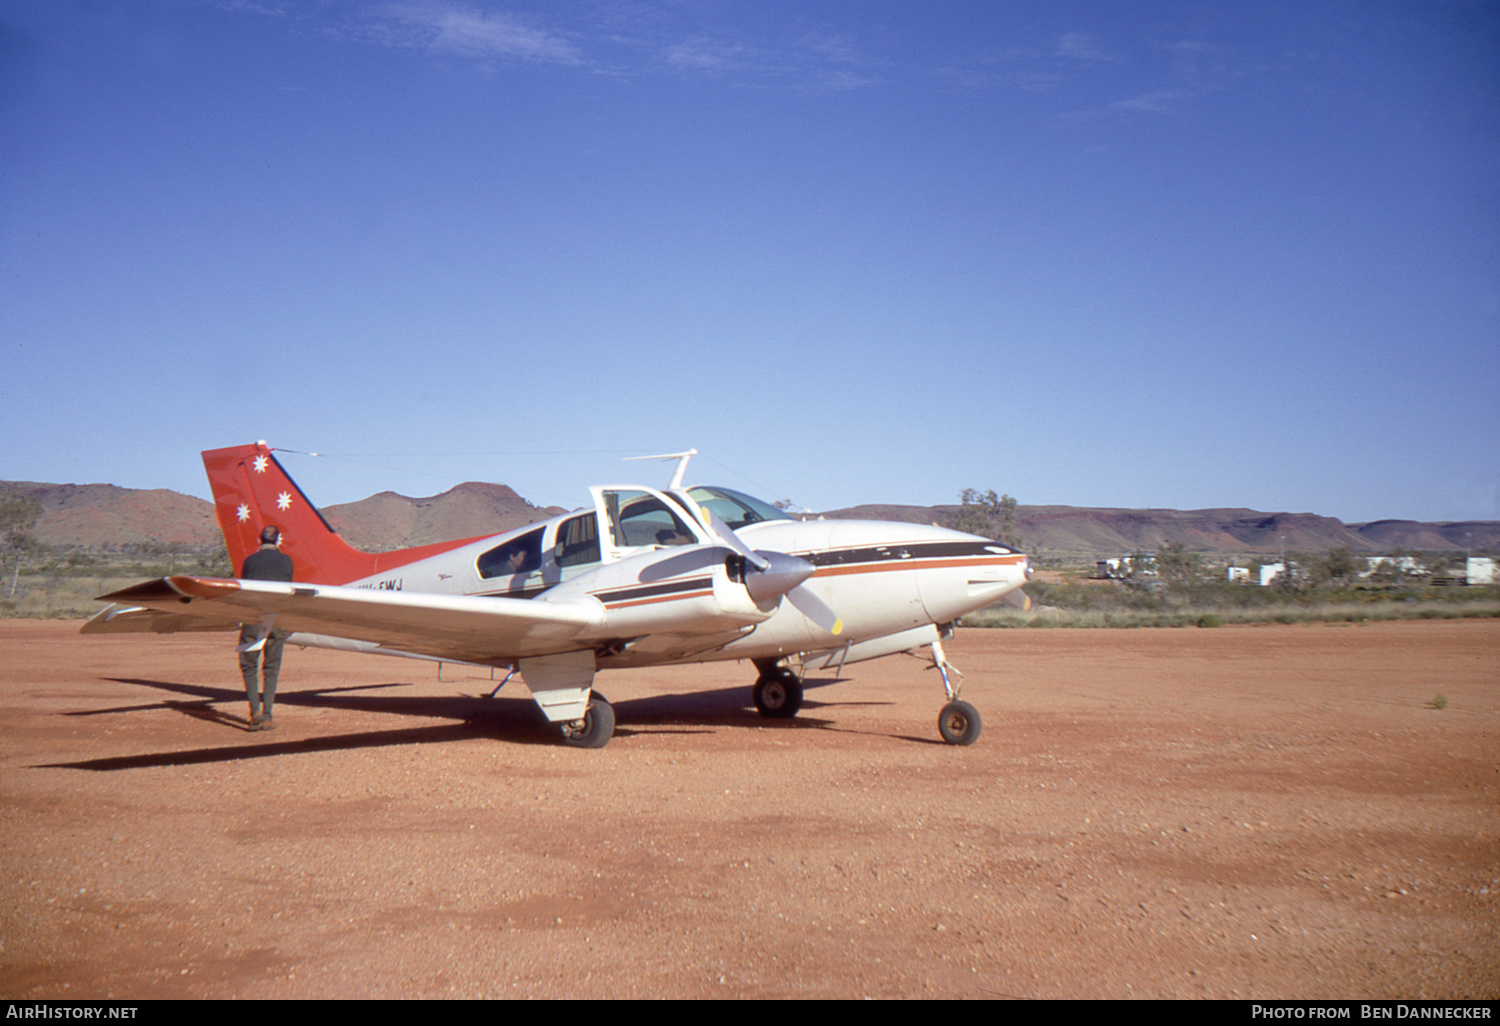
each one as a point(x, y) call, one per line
point(1268, 812)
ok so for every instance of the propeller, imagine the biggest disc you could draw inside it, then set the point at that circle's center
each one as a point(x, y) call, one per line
point(725, 535)
point(777, 574)
point(816, 610)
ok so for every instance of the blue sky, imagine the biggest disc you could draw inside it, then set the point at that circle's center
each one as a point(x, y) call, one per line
point(1089, 253)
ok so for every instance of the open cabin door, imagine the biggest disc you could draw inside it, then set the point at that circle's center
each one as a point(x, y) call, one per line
point(634, 519)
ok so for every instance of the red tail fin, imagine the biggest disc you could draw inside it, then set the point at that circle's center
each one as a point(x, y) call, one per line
point(253, 491)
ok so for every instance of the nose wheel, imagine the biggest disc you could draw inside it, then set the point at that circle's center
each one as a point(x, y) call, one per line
point(959, 722)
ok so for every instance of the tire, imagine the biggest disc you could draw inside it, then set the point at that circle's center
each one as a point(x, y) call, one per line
point(778, 695)
point(595, 729)
point(959, 723)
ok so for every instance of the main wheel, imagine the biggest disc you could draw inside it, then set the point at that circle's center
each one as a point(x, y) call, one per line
point(778, 695)
point(959, 723)
point(596, 727)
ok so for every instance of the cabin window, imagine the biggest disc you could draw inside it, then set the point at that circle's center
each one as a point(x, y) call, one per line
point(577, 541)
point(639, 519)
point(518, 556)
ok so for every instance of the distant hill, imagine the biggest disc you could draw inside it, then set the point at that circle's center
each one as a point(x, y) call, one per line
point(98, 516)
point(103, 516)
point(391, 521)
point(1076, 529)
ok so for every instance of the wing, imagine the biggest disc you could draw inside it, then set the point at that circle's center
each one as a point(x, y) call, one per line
point(455, 627)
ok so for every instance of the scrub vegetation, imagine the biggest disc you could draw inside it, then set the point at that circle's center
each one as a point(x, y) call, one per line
point(64, 583)
point(1071, 598)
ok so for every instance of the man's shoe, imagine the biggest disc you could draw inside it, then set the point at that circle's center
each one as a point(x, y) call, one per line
point(256, 720)
point(266, 723)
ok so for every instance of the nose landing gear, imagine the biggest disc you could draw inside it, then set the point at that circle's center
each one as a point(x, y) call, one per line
point(959, 722)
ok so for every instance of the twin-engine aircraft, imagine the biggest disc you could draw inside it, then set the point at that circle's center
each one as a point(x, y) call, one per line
point(640, 577)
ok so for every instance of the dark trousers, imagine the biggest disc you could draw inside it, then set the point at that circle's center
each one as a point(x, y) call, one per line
point(268, 662)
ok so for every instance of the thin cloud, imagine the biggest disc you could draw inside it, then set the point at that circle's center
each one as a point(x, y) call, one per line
point(837, 49)
point(847, 81)
point(1080, 46)
point(468, 32)
point(705, 55)
point(816, 62)
point(613, 38)
point(1162, 101)
point(1038, 81)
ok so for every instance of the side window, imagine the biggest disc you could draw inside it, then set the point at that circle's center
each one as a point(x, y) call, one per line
point(639, 519)
point(518, 556)
point(577, 541)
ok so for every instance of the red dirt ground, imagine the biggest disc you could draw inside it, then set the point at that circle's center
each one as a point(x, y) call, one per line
point(1268, 812)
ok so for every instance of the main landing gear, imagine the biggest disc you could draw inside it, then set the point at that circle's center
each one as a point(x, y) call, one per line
point(596, 727)
point(778, 691)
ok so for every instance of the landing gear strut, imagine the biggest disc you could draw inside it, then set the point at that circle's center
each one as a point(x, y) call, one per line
point(959, 722)
point(778, 691)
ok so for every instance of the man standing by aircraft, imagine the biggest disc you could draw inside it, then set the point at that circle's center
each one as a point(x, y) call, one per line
point(267, 563)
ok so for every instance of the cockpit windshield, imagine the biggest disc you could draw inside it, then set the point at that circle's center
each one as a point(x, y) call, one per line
point(736, 509)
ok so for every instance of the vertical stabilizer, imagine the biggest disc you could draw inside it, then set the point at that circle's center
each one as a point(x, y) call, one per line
point(253, 491)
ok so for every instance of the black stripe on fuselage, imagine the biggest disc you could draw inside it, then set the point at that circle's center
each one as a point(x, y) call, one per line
point(631, 594)
point(901, 552)
point(519, 593)
point(653, 590)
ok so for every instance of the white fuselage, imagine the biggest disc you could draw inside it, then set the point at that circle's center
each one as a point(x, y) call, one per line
point(684, 601)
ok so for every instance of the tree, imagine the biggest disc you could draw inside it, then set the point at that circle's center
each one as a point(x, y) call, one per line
point(987, 515)
point(1176, 565)
point(1297, 573)
point(1341, 565)
point(19, 513)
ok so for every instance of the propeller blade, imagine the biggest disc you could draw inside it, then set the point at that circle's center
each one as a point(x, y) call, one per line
point(1017, 599)
point(815, 609)
point(726, 536)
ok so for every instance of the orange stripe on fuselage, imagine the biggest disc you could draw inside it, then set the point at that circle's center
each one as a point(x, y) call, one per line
point(913, 564)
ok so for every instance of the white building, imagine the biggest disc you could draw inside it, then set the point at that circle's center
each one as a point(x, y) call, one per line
point(1126, 567)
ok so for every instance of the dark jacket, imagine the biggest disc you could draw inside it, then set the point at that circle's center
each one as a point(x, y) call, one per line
point(267, 563)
